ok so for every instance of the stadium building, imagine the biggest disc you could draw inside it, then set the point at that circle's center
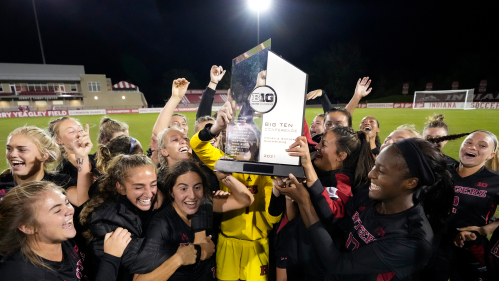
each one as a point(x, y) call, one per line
point(44, 87)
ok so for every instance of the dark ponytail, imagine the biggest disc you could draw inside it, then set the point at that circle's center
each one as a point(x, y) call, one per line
point(358, 149)
point(437, 199)
point(446, 138)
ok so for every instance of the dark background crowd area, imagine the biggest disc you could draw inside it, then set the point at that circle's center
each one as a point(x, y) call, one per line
point(151, 42)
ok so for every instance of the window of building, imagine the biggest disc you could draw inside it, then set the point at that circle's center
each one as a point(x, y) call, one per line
point(94, 86)
point(58, 102)
point(1, 88)
point(23, 103)
point(41, 103)
point(74, 88)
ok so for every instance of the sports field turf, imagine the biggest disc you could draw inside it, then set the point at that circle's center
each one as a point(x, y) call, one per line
point(141, 124)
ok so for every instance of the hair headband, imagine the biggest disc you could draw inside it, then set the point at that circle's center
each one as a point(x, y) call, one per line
point(133, 143)
point(416, 161)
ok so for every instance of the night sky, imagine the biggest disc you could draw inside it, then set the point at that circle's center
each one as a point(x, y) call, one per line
point(149, 42)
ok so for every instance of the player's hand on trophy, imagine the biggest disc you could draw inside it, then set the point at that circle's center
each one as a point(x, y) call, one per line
point(224, 116)
point(216, 74)
point(314, 94)
point(300, 148)
point(362, 89)
point(179, 88)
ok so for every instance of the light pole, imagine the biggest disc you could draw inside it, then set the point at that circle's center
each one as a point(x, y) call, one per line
point(38, 29)
point(258, 6)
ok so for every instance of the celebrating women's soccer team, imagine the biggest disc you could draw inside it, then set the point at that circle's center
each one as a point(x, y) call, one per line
point(366, 209)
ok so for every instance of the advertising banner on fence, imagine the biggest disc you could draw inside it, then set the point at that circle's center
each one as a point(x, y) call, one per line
point(122, 111)
point(33, 114)
point(87, 112)
point(380, 105)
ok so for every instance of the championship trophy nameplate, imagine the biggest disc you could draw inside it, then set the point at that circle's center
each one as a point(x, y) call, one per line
point(271, 93)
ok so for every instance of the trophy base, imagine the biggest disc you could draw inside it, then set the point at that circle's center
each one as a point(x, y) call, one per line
point(266, 169)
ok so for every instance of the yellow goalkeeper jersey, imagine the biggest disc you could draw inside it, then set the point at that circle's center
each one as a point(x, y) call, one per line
point(250, 223)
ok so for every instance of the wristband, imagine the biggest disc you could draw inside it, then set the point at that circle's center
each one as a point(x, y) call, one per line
point(209, 125)
point(198, 254)
point(213, 82)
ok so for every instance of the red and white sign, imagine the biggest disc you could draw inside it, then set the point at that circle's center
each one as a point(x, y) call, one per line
point(87, 112)
point(486, 105)
point(380, 105)
point(122, 111)
point(33, 114)
point(362, 105)
point(150, 110)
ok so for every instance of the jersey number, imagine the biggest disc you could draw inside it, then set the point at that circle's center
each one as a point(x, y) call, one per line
point(456, 202)
point(352, 240)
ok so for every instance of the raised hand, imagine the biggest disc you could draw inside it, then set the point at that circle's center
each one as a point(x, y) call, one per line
point(179, 88)
point(82, 144)
point(362, 89)
point(207, 248)
point(300, 148)
point(115, 242)
point(187, 254)
point(217, 73)
point(314, 94)
point(224, 117)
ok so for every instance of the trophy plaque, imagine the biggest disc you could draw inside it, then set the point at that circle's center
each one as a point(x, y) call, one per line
point(271, 93)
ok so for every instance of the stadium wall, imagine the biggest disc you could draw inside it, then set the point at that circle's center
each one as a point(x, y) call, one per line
point(439, 105)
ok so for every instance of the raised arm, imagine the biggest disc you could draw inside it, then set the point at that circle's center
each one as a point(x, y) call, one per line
point(361, 90)
point(216, 74)
point(82, 147)
point(240, 195)
point(179, 88)
point(321, 94)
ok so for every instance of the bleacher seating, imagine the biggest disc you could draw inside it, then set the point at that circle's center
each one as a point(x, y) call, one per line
point(72, 94)
point(6, 94)
point(196, 98)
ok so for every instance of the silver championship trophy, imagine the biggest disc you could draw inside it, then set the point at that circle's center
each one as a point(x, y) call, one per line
point(271, 94)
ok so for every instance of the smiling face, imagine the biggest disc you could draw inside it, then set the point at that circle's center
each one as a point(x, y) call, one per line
point(334, 119)
point(370, 126)
point(389, 176)
point(317, 126)
point(435, 133)
point(180, 122)
point(396, 136)
point(54, 216)
point(177, 146)
point(327, 158)
point(476, 149)
point(187, 193)
point(67, 131)
point(24, 157)
point(140, 187)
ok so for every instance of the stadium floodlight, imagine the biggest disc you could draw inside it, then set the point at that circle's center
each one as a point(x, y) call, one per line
point(448, 99)
point(259, 5)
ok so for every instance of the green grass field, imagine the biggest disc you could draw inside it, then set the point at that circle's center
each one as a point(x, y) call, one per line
point(141, 124)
